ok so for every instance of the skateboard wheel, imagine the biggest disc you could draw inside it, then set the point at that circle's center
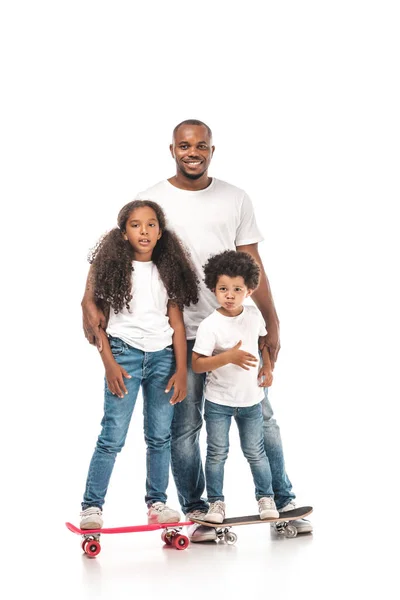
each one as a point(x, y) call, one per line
point(166, 538)
point(290, 531)
point(92, 547)
point(181, 542)
point(230, 537)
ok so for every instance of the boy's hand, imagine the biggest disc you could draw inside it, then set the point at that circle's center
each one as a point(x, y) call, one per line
point(241, 358)
point(265, 376)
point(115, 379)
point(179, 382)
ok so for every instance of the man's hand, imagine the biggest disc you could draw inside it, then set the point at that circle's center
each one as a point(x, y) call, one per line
point(272, 342)
point(241, 358)
point(115, 379)
point(179, 382)
point(93, 320)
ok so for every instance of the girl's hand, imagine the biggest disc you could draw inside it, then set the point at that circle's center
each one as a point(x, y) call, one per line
point(241, 358)
point(179, 382)
point(265, 376)
point(115, 379)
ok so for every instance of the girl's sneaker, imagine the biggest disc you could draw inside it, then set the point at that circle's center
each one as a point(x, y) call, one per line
point(216, 512)
point(91, 518)
point(160, 513)
point(267, 508)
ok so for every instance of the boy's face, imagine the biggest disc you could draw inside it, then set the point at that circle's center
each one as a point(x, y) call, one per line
point(230, 293)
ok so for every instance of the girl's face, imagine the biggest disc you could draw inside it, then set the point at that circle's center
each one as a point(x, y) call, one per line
point(142, 232)
point(231, 293)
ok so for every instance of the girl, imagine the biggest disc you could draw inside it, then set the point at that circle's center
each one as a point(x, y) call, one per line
point(142, 277)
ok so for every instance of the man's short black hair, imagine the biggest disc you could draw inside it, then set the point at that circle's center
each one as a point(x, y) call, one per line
point(192, 122)
point(232, 264)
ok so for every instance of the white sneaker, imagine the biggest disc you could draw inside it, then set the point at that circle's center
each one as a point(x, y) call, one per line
point(160, 513)
point(302, 525)
point(91, 518)
point(216, 512)
point(200, 533)
point(267, 508)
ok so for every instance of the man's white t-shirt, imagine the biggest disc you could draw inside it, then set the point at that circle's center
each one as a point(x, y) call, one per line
point(145, 325)
point(231, 385)
point(208, 221)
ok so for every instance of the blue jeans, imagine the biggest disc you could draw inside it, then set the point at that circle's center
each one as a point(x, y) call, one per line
point(249, 420)
point(185, 448)
point(151, 370)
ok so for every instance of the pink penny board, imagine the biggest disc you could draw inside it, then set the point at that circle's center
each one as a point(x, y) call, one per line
point(170, 535)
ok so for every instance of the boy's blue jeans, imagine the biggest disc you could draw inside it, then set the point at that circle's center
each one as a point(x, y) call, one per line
point(152, 371)
point(185, 448)
point(249, 420)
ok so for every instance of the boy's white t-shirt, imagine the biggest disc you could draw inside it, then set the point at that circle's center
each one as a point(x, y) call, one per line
point(231, 385)
point(145, 325)
point(208, 221)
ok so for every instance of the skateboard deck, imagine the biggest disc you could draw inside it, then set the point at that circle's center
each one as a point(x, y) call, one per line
point(170, 534)
point(283, 523)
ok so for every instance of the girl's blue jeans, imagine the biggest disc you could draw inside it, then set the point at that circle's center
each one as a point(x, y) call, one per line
point(249, 420)
point(151, 371)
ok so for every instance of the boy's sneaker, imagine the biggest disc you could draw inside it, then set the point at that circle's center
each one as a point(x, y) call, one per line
point(160, 513)
point(200, 533)
point(302, 525)
point(216, 512)
point(91, 518)
point(267, 508)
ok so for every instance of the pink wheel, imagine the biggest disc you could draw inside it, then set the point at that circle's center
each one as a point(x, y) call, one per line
point(181, 542)
point(92, 547)
point(166, 538)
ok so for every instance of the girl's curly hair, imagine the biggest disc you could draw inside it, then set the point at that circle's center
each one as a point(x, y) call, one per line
point(233, 264)
point(112, 263)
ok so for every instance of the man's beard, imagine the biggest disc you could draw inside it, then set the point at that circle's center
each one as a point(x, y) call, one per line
point(191, 175)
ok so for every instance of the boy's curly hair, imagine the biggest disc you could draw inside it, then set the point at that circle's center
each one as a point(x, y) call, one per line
point(232, 264)
point(112, 264)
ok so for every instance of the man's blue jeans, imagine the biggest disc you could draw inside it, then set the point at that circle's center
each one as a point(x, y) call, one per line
point(152, 371)
point(185, 448)
point(249, 420)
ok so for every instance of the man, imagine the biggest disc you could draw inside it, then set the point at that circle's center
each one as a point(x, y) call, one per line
point(210, 216)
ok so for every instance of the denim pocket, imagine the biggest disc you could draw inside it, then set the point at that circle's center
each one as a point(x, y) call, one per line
point(117, 346)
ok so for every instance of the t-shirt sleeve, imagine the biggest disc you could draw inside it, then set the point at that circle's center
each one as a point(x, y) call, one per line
point(205, 340)
point(247, 231)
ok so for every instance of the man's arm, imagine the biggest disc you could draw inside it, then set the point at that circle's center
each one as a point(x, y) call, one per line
point(263, 300)
point(93, 318)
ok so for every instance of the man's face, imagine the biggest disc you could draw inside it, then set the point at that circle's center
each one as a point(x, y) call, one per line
point(192, 150)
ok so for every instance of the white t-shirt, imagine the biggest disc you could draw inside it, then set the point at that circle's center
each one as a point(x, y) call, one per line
point(145, 325)
point(231, 385)
point(208, 221)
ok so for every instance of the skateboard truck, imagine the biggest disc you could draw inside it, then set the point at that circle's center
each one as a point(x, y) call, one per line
point(226, 535)
point(286, 529)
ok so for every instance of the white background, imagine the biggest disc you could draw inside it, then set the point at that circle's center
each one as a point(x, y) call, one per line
point(303, 100)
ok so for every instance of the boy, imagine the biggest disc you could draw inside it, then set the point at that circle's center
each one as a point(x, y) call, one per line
point(226, 348)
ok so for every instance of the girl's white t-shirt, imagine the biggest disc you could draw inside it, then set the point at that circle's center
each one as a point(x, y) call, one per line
point(208, 221)
point(231, 385)
point(145, 325)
